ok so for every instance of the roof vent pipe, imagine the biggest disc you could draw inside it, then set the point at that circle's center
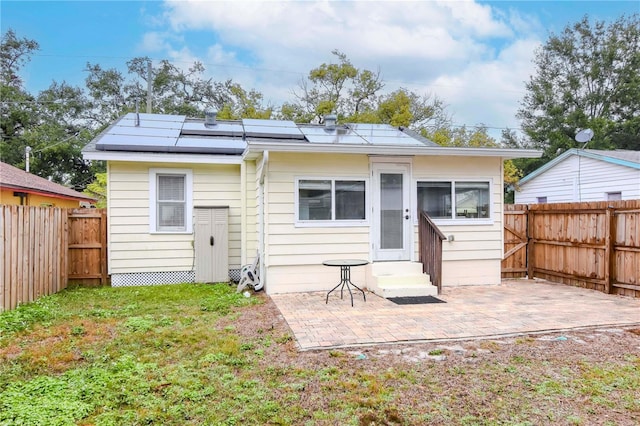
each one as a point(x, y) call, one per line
point(330, 121)
point(210, 117)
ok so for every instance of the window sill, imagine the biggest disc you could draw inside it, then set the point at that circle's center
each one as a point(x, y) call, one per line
point(170, 232)
point(462, 222)
point(331, 224)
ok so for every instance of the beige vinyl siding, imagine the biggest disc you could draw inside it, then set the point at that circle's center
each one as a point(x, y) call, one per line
point(133, 248)
point(291, 246)
point(295, 254)
point(470, 272)
point(313, 277)
point(475, 254)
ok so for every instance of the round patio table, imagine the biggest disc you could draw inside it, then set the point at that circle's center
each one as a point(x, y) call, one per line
point(345, 275)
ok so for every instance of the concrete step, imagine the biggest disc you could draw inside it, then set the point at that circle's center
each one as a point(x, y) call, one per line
point(393, 268)
point(399, 279)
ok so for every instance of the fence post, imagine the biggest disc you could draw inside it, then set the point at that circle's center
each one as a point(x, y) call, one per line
point(530, 244)
point(103, 250)
point(609, 250)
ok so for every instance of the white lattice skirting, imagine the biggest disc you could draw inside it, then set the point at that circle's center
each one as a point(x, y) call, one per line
point(161, 278)
point(152, 278)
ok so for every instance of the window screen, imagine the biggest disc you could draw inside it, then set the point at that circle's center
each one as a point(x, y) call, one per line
point(314, 198)
point(455, 200)
point(328, 199)
point(435, 199)
point(171, 203)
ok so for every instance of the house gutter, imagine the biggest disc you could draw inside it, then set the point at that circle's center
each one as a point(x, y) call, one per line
point(263, 166)
point(160, 157)
point(257, 147)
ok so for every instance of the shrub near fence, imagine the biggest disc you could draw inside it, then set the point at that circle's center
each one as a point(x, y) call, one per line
point(42, 249)
point(594, 245)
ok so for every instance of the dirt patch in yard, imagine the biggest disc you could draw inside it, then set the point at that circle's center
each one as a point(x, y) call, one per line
point(589, 376)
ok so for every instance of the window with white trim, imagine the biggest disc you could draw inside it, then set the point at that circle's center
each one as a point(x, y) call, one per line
point(328, 200)
point(170, 200)
point(456, 200)
point(614, 196)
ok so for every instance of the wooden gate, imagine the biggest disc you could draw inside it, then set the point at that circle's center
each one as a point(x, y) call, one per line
point(595, 245)
point(514, 263)
point(44, 248)
point(87, 249)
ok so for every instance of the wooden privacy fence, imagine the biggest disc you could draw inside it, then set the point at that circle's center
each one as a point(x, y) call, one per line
point(42, 249)
point(595, 245)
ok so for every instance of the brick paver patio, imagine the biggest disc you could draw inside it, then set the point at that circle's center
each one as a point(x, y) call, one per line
point(511, 308)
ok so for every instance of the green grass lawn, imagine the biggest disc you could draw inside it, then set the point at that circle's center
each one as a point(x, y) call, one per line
point(202, 354)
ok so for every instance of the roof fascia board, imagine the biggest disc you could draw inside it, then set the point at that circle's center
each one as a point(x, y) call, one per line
point(155, 157)
point(45, 193)
point(608, 159)
point(391, 150)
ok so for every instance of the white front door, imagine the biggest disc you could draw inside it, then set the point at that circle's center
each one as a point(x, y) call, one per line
point(392, 222)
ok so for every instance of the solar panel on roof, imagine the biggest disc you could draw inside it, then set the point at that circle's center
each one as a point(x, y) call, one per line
point(152, 120)
point(220, 129)
point(278, 129)
point(111, 142)
point(322, 135)
point(210, 145)
point(383, 134)
point(145, 131)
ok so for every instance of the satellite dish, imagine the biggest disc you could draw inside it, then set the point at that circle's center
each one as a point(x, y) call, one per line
point(584, 135)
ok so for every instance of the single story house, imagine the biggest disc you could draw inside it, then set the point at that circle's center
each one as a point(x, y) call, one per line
point(583, 175)
point(195, 199)
point(18, 187)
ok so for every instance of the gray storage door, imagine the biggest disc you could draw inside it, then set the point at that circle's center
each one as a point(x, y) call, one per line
point(211, 244)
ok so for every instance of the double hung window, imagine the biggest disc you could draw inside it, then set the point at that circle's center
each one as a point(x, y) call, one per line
point(170, 198)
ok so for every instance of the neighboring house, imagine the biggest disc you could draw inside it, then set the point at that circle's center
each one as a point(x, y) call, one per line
point(193, 201)
point(583, 175)
point(18, 187)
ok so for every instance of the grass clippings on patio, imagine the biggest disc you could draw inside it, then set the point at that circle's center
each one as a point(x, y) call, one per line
point(201, 354)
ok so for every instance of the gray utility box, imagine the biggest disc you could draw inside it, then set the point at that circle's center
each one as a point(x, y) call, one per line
point(211, 244)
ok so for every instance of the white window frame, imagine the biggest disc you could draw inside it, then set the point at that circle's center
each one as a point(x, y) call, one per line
point(456, 221)
point(333, 222)
point(153, 202)
point(613, 193)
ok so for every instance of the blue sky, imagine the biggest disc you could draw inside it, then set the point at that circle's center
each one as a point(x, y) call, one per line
point(475, 55)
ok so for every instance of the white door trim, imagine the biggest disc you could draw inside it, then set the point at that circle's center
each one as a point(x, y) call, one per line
point(399, 166)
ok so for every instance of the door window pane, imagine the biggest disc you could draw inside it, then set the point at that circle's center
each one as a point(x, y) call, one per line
point(350, 200)
point(435, 199)
point(391, 215)
point(314, 200)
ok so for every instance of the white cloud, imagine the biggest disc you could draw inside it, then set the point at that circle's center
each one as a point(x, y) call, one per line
point(474, 56)
point(489, 92)
point(153, 42)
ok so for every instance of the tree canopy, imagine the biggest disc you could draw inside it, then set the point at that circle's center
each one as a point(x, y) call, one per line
point(588, 76)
